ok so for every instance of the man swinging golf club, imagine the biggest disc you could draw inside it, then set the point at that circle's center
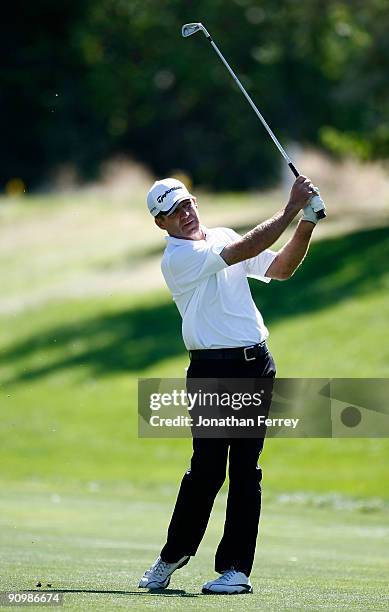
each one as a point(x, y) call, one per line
point(206, 271)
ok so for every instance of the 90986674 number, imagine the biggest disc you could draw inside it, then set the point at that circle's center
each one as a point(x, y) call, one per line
point(32, 598)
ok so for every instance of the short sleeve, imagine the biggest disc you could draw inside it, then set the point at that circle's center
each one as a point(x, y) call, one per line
point(185, 268)
point(256, 267)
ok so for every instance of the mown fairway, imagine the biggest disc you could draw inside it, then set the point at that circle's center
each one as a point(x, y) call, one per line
point(85, 503)
point(93, 545)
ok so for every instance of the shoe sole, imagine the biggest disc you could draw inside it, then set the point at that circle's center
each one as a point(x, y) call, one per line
point(210, 592)
point(168, 578)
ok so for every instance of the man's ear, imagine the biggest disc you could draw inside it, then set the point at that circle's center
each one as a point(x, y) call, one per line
point(160, 222)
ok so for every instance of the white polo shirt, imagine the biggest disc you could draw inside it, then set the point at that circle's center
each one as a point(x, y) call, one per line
point(213, 298)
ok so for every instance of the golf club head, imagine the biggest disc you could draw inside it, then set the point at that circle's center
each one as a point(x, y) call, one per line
point(191, 28)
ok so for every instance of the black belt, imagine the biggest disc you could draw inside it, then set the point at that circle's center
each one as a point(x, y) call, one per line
point(246, 353)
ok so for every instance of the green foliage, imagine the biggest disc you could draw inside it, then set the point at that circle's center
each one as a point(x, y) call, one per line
point(345, 143)
point(87, 80)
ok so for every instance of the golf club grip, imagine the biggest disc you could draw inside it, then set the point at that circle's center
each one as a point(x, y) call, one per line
point(320, 214)
point(294, 169)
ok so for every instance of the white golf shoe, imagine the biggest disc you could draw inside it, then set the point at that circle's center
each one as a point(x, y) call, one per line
point(229, 583)
point(158, 576)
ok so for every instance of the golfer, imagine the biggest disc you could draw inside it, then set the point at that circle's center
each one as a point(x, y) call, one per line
point(206, 271)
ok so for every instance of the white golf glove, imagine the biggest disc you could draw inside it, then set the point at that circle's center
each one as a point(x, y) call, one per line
point(315, 204)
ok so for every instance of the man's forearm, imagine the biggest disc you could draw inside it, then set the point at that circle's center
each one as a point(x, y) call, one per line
point(260, 237)
point(293, 253)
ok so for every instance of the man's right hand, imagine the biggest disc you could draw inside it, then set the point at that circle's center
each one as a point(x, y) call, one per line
point(301, 192)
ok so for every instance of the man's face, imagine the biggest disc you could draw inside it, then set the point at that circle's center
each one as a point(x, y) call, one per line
point(184, 222)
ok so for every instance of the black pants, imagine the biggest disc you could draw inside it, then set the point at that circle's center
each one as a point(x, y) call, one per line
point(207, 473)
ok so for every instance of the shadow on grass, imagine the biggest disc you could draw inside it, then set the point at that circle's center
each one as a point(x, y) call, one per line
point(132, 340)
point(152, 592)
point(336, 269)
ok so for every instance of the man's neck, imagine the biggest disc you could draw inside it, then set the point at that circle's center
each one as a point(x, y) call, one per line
point(200, 235)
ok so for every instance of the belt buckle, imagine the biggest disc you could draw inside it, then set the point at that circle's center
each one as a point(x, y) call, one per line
point(247, 348)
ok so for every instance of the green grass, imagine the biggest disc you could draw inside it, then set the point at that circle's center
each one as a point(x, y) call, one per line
point(85, 502)
point(69, 370)
point(88, 433)
point(94, 545)
point(91, 243)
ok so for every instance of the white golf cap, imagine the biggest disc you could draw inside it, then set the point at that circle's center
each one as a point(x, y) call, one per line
point(165, 195)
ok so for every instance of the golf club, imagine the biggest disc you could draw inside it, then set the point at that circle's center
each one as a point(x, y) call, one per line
point(191, 28)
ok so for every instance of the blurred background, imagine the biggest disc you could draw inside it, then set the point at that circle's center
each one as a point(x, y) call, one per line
point(98, 99)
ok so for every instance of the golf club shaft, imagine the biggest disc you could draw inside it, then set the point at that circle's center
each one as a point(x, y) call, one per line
point(315, 201)
point(255, 109)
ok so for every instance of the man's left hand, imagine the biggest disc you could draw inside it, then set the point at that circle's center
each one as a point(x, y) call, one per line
point(309, 214)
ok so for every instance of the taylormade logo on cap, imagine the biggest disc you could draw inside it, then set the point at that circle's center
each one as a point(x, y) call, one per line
point(165, 195)
point(161, 198)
